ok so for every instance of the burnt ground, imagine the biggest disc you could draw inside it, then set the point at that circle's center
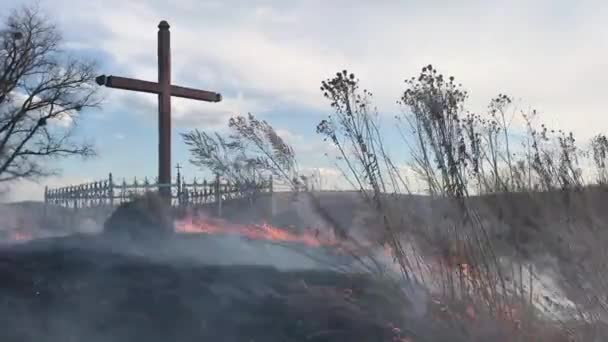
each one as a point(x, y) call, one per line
point(55, 291)
point(65, 290)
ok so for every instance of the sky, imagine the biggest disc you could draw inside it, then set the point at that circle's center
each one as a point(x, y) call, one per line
point(269, 58)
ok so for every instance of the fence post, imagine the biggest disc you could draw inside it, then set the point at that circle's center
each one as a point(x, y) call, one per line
point(75, 197)
point(179, 186)
point(46, 200)
point(147, 186)
point(218, 195)
point(271, 191)
point(123, 191)
point(270, 185)
point(185, 193)
point(111, 189)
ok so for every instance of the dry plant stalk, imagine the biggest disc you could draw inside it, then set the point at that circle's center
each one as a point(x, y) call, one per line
point(458, 155)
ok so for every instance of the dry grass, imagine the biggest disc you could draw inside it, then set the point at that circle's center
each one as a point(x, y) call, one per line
point(502, 206)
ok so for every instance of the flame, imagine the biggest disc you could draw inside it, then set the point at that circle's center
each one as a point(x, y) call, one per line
point(19, 236)
point(312, 238)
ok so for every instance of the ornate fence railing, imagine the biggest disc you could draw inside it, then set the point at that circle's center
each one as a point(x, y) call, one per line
point(107, 192)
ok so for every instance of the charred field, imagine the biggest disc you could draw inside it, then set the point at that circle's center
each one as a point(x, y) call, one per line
point(134, 281)
point(282, 285)
point(54, 291)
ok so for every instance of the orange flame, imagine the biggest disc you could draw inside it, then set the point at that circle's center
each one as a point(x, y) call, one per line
point(312, 238)
point(18, 236)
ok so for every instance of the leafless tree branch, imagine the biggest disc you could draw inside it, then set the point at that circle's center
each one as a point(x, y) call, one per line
point(42, 90)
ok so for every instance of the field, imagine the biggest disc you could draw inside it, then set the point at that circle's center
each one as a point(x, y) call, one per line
point(210, 286)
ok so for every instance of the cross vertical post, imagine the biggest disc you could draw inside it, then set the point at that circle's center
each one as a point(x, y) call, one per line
point(164, 90)
point(164, 110)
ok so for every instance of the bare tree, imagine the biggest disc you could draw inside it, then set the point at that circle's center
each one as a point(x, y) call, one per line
point(251, 151)
point(41, 91)
point(259, 137)
point(221, 156)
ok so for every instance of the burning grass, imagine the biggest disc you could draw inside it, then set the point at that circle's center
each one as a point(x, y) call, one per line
point(312, 238)
point(19, 236)
point(464, 317)
point(92, 294)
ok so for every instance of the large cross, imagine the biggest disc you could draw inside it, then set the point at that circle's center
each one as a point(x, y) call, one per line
point(165, 90)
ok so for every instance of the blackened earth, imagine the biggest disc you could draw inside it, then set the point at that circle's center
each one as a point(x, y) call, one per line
point(71, 289)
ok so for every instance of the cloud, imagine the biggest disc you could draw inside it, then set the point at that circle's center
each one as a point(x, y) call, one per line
point(273, 54)
point(62, 118)
point(278, 53)
point(311, 150)
point(184, 112)
point(326, 178)
point(65, 120)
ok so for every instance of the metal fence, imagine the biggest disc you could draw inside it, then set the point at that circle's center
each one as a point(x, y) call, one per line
point(108, 193)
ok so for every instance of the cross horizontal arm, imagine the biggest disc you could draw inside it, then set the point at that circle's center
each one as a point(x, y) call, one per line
point(195, 94)
point(128, 84)
point(152, 87)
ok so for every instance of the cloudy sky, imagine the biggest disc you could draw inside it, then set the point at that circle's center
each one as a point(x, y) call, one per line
point(269, 57)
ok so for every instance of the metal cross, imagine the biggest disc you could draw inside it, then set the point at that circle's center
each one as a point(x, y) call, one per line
point(165, 90)
point(178, 168)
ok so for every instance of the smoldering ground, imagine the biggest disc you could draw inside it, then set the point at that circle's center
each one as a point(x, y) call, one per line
point(160, 287)
point(185, 287)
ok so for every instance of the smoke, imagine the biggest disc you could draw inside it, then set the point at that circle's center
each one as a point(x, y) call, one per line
point(104, 287)
point(193, 274)
point(237, 250)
